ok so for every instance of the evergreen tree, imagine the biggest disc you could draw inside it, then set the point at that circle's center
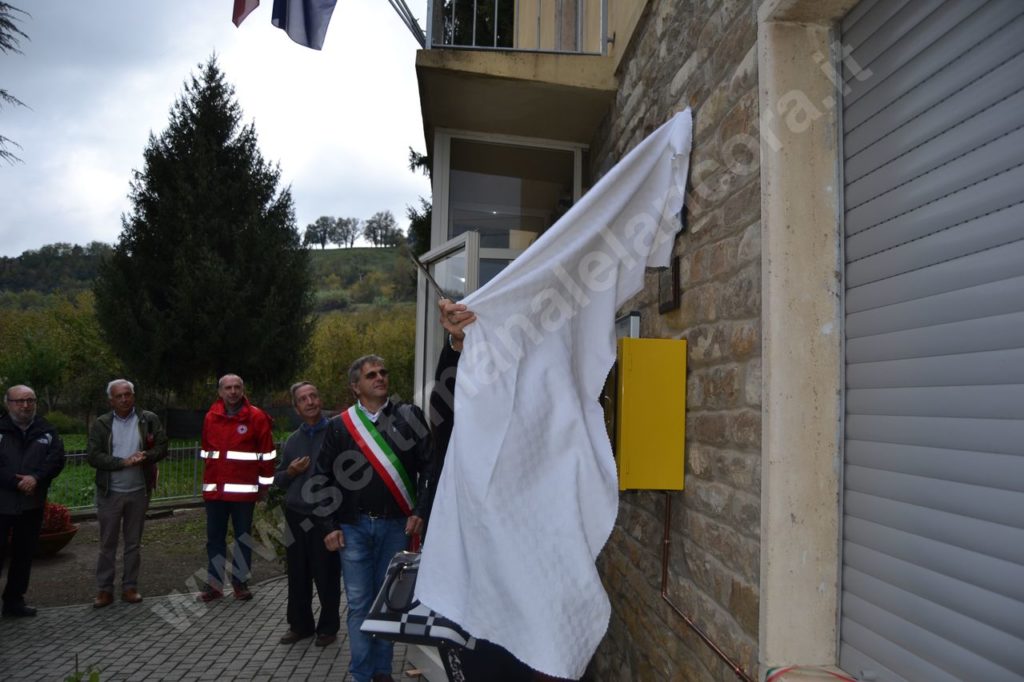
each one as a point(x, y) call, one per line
point(418, 234)
point(10, 38)
point(208, 275)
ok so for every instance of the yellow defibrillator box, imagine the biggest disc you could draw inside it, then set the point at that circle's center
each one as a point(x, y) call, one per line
point(650, 413)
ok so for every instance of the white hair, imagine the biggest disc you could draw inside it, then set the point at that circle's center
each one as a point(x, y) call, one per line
point(115, 382)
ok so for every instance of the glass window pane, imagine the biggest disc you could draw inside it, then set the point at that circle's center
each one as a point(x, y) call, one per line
point(450, 274)
point(489, 267)
point(509, 194)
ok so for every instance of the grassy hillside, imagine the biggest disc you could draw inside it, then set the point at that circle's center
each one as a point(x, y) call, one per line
point(342, 278)
point(360, 276)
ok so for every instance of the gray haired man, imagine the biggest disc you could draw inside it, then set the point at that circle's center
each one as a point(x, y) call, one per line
point(124, 446)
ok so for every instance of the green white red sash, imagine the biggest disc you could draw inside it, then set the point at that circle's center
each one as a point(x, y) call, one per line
point(381, 457)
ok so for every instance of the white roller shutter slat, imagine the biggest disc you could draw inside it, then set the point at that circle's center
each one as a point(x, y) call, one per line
point(933, 476)
point(988, 646)
point(974, 503)
point(1002, 577)
point(961, 647)
point(963, 369)
point(984, 58)
point(970, 533)
point(993, 158)
point(938, 51)
point(990, 126)
point(988, 435)
point(974, 602)
point(997, 228)
point(867, 18)
point(903, 37)
point(982, 267)
point(989, 469)
point(1001, 332)
point(973, 99)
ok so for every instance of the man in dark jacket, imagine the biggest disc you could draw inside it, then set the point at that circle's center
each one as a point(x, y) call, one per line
point(309, 561)
point(378, 465)
point(31, 455)
point(124, 446)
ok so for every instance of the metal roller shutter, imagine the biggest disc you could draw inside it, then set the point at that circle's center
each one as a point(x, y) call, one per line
point(933, 508)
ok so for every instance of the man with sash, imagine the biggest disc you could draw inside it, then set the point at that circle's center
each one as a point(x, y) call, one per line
point(378, 466)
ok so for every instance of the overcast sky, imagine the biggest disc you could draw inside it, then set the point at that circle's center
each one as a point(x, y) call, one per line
point(99, 76)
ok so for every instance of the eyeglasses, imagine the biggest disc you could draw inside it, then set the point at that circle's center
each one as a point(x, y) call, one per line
point(373, 374)
point(22, 401)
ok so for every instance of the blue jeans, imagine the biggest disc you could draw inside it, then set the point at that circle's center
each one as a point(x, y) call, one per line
point(369, 546)
point(217, 514)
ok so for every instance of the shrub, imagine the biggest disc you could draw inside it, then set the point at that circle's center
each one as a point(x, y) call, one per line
point(64, 423)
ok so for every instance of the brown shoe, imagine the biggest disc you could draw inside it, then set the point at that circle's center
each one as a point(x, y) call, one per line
point(131, 595)
point(291, 637)
point(242, 592)
point(103, 598)
point(324, 640)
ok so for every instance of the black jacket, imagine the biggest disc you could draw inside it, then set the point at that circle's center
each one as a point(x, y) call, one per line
point(38, 452)
point(350, 484)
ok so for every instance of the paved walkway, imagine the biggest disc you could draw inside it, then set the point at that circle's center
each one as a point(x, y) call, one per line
point(174, 638)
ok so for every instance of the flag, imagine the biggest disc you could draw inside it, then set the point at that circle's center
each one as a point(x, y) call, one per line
point(305, 21)
point(528, 494)
point(242, 10)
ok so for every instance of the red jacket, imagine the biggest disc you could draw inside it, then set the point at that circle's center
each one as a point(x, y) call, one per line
point(239, 453)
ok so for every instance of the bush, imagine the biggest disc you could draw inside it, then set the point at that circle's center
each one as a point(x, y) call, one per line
point(64, 423)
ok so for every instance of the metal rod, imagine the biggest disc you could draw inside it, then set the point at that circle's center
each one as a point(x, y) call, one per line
point(666, 542)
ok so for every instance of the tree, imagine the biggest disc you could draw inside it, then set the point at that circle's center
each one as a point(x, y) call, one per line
point(208, 275)
point(319, 232)
point(418, 235)
point(347, 231)
point(382, 230)
point(10, 39)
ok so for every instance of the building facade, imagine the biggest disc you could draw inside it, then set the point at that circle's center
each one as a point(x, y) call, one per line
point(852, 294)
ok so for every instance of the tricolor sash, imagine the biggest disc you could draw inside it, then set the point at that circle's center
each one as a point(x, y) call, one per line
point(381, 457)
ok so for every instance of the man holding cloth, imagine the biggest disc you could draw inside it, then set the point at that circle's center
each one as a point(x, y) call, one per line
point(309, 561)
point(238, 448)
point(124, 446)
point(377, 461)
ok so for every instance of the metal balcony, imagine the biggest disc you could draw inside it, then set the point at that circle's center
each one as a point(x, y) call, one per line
point(557, 26)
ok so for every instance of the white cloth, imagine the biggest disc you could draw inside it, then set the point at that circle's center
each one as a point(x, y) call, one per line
point(528, 494)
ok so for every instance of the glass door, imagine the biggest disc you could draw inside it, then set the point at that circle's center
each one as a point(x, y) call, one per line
point(454, 267)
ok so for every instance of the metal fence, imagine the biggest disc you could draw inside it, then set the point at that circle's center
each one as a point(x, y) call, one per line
point(180, 478)
point(573, 26)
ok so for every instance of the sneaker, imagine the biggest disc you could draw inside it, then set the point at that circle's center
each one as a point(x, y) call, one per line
point(242, 592)
point(210, 594)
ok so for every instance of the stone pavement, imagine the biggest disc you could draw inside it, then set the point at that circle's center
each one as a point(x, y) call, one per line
point(174, 638)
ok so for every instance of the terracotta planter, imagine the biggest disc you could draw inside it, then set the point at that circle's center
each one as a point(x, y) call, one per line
point(51, 543)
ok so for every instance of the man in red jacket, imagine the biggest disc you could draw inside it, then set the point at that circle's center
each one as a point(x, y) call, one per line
point(238, 449)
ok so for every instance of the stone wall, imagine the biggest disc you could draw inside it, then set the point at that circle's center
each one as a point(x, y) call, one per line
point(701, 53)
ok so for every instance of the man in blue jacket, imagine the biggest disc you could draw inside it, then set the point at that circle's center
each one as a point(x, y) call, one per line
point(31, 455)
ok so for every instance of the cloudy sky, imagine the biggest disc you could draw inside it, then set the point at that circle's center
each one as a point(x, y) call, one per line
point(99, 76)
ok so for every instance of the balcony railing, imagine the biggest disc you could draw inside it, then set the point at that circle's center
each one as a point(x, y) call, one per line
point(564, 26)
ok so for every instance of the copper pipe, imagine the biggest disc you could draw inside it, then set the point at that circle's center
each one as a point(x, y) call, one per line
point(666, 542)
